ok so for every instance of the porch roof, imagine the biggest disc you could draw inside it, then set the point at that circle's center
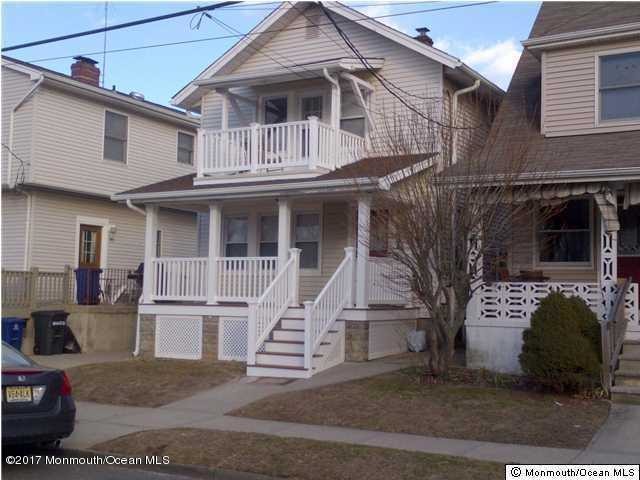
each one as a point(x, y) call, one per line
point(363, 174)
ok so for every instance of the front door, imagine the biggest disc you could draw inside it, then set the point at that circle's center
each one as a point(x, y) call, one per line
point(89, 251)
point(629, 243)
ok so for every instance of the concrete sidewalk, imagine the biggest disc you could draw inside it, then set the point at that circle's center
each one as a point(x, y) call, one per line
point(68, 360)
point(617, 442)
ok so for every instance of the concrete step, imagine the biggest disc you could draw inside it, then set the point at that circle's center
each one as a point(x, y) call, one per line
point(631, 347)
point(630, 362)
point(628, 378)
point(277, 371)
point(624, 394)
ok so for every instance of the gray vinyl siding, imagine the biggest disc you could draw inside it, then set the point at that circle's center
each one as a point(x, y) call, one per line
point(15, 85)
point(14, 227)
point(570, 90)
point(410, 71)
point(54, 235)
point(68, 143)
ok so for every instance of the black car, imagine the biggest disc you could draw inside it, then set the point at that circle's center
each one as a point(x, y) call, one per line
point(37, 406)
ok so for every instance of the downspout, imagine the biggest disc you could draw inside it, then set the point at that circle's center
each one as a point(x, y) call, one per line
point(136, 350)
point(454, 116)
point(27, 95)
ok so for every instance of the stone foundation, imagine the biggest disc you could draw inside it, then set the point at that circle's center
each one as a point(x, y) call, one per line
point(147, 336)
point(356, 341)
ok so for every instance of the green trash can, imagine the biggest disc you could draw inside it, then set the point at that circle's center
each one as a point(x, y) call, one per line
point(49, 326)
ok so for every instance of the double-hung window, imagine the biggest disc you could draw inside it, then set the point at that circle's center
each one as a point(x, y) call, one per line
point(236, 233)
point(620, 87)
point(115, 136)
point(307, 239)
point(565, 236)
point(185, 148)
point(269, 236)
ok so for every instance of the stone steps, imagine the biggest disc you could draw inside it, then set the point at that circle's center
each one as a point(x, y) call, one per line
point(627, 376)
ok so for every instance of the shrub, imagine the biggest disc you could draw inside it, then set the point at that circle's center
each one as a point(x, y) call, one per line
point(562, 348)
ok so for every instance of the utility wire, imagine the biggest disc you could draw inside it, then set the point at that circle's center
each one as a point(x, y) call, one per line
point(120, 25)
point(241, 35)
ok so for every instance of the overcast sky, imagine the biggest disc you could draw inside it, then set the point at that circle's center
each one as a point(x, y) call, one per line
point(487, 37)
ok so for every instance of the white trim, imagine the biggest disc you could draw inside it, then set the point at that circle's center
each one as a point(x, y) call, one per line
point(582, 36)
point(193, 153)
point(588, 266)
point(292, 174)
point(104, 136)
point(616, 122)
point(543, 100)
point(104, 237)
point(26, 262)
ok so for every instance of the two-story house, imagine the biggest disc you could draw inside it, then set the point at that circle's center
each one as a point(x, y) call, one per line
point(67, 146)
point(575, 97)
point(290, 150)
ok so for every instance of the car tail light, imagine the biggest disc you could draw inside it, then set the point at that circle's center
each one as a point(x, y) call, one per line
point(65, 390)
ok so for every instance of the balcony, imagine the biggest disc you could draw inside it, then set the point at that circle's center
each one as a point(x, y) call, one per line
point(309, 145)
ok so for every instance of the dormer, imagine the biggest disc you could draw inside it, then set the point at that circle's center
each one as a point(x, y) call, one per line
point(590, 80)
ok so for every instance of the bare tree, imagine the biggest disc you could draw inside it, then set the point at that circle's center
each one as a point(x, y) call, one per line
point(451, 209)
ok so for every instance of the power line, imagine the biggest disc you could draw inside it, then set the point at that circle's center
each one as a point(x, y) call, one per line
point(241, 35)
point(119, 26)
point(379, 4)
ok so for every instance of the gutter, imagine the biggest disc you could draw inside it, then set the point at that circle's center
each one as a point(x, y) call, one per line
point(136, 350)
point(26, 97)
point(454, 115)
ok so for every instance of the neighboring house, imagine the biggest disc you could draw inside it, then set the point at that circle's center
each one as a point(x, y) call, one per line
point(290, 118)
point(67, 146)
point(575, 96)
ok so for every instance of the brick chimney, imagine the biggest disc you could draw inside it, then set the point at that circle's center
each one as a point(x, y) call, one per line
point(85, 70)
point(423, 37)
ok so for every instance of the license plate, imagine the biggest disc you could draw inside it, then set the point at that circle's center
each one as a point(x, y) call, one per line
point(18, 394)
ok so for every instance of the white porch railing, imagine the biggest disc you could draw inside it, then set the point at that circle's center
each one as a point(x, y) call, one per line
point(244, 278)
point(180, 278)
point(387, 282)
point(307, 143)
point(272, 304)
point(320, 315)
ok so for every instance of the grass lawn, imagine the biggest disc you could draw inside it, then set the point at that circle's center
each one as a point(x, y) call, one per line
point(467, 407)
point(297, 458)
point(148, 383)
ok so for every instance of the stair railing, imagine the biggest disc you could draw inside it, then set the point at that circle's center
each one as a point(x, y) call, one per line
point(267, 311)
point(613, 330)
point(321, 314)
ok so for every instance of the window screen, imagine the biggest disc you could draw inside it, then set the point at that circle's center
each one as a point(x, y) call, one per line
point(115, 137)
point(185, 148)
point(620, 86)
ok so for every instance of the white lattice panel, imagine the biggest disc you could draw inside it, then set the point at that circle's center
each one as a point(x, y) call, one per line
point(232, 339)
point(631, 307)
point(388, 338)
point(179, 337)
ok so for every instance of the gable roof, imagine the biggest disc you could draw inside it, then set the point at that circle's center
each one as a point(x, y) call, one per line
point(518, 118)
point(107, 95)
point(283, 16)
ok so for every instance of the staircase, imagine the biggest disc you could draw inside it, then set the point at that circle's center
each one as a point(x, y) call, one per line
point(627, 376)
point(282, 354)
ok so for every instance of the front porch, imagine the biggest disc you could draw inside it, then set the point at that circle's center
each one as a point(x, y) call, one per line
point(289, 285)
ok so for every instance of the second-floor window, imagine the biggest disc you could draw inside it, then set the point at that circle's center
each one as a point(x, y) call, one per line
point(115, 136)
point(620, 86)
point(185, 148)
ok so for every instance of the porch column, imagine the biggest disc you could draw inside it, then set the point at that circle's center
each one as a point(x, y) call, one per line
point(215, 233)
point(150, 239)
point(608, 271)
point(362, 251)
point(224, 114)
point(284, 230)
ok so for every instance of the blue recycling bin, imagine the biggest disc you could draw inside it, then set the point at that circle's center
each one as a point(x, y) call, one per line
point(88, 286)
point(13, 331)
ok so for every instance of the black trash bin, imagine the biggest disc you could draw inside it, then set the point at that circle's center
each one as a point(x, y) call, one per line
point(49, 328)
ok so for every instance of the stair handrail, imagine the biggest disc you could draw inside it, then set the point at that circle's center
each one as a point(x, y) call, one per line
point(266, 312)
point(321, 314)
point(613, 330)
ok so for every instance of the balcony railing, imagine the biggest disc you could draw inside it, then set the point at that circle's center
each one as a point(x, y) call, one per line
point(258, 148)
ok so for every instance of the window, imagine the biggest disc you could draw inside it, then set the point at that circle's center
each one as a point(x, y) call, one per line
point(275, 110)
point(235, 237)
point(311, 107)
point(353, 125)
point(352, 114)
point(307, 239)
point(185, 148)
point(89, 250)
point(269, 236)
point(115, 136)
point(566, 235)
point(379, 238)
point(158, 243)
point(620, 86)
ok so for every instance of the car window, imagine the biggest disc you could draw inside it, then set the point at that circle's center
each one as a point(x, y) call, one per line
point(13, 358)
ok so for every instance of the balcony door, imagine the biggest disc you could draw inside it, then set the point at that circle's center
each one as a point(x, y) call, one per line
point(276, 109)
point(89, 248)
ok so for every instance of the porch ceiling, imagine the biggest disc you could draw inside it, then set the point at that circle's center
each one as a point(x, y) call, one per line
point(281, 75)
